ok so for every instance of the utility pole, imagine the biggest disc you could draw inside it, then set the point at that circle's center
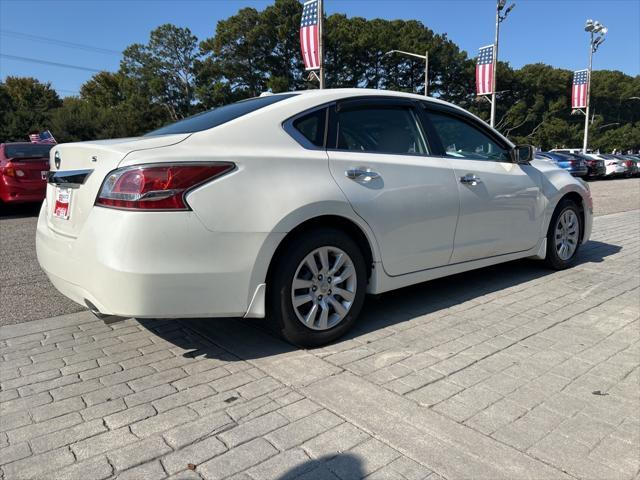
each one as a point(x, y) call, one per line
point(499, 19)
point(593, 28)
point(321, 42)
point(424, 57)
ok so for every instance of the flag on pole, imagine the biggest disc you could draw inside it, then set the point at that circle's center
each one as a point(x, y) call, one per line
point(310, 35)
point(484, 71)
point(579, 89)
point(42, 137)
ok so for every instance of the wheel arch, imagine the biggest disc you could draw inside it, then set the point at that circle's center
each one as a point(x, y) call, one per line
point(338, 222)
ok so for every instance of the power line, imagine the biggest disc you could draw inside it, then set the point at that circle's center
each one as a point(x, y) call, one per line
point(46, 62)
point(38, 38)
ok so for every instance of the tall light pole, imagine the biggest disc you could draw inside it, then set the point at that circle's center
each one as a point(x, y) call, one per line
point(500, 17)
point(424, 57)
point(597, 31)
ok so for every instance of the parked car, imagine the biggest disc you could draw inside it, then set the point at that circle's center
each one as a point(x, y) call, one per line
point(23, 172)
point(573, 164)
point(296, 205)
point(615, 166)
point(595, 166)
point(631, 165)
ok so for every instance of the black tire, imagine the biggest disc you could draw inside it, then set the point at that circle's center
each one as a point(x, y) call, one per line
point(553, 259)
point(281, 312)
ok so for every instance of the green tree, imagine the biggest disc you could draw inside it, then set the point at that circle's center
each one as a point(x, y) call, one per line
point(165, 68)
point(26, 106)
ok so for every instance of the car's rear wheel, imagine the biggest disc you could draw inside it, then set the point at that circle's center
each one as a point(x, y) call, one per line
point(317, 287)
point(563, 237)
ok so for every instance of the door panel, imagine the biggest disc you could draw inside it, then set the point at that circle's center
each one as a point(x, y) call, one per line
point(412, 207)
point(501, 213)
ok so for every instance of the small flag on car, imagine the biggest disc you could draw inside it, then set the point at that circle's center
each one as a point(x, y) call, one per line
point(310, 35)
point(484, 71)
point(580, 89)
point(42, 137)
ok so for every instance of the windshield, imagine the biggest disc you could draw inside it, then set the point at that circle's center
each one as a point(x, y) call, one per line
point(220, 115)
point(27, 150)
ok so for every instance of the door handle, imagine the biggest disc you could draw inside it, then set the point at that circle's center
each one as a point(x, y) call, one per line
point(470, 179)
point(361, 174)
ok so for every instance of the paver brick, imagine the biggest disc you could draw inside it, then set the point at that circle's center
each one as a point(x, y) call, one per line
point(56, 409)
point(126, 375)
point(38, 464)
point(138, 453)
point(256, 427)
point(195, 453)
point(76, 389)
point(183, 397)
point(106, 394)
point(302, 430)
point(103, 442)
point(15, 452)
point(148, 396)
point(237, 460)
point(335, 441)
point(95, 469)
point(37, 429)
point(67, 436)
point(104, 409)
point(129, 416)
point(198, 429)
point(286, 465)
point(163, 421)
point(152, 470)
point(159, 378)
point(199, 378)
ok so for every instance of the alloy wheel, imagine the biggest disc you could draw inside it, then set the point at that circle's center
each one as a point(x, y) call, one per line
point(324, 288)
point(567, 234)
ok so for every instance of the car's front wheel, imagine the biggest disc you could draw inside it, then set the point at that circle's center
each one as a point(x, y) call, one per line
point(564, 235)
point(317, 287)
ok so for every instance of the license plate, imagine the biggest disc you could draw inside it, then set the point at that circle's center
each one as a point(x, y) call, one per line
point(62, 207)
point(43, 174)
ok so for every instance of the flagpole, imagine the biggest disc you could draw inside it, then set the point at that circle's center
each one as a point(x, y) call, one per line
point(321, 42)
point(495, 66)
point(586, 114)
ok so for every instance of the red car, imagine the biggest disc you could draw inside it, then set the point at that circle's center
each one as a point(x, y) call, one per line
point(23, 171)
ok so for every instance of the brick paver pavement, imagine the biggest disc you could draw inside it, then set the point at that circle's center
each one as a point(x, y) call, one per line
point(508, 372)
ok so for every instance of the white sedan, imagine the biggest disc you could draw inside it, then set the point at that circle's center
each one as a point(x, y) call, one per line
point(294, 206)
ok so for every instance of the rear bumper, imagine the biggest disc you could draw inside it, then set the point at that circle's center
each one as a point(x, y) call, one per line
point(20, 193)
point(152, 264)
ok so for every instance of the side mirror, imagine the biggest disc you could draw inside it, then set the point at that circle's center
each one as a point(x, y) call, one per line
point(522, 154)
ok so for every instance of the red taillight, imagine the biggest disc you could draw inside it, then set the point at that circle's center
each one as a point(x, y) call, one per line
point(156, 187)
point(9, 170)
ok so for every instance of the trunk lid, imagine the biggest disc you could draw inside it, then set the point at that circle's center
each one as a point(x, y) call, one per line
point(30, 170)
point(90, 162)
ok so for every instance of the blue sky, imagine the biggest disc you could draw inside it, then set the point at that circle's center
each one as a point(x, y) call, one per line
point(549, 31)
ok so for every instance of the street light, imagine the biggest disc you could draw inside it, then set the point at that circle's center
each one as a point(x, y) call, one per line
point(597, 31)
point(426, 65)
point(500, 17)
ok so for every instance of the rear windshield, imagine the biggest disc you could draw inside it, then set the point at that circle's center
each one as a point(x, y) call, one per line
point(27, 150)
point(220, 115)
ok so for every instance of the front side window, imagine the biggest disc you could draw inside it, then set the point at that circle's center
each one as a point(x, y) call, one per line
point(381, 130)
point(461, 140)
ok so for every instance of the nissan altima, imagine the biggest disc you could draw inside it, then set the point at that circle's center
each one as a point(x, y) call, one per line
point(294, 206)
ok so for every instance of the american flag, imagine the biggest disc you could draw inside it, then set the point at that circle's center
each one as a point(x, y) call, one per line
point(579, 89)
point(310, 35)
point(484, 71)
point(42, 137)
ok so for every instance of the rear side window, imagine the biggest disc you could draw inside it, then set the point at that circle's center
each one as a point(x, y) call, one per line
point(380, 129)
point(220, 115)
point(312, 126)
point(462, 140)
